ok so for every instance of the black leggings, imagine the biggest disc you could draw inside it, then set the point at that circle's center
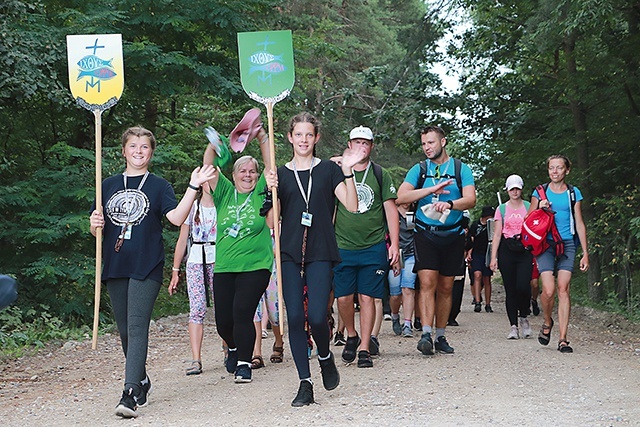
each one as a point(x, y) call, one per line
point(236, 297)
point(516, 269)
point(132, 302)
point(317, 275)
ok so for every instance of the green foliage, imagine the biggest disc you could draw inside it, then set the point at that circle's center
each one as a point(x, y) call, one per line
point(22, 331)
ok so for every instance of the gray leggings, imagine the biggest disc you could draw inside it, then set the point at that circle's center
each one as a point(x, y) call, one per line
point(132, 302)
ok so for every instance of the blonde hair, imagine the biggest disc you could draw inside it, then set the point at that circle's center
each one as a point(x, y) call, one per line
point(139, 131)
point(242, 160)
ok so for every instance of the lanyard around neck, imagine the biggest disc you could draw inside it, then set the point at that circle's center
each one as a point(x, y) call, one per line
point(364, 177)
point(306, 197)
point(239, 208)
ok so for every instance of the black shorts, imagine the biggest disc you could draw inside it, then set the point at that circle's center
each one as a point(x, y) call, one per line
point(432, 255)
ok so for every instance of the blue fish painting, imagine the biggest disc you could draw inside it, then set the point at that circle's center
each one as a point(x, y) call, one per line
point(92, 62)
point(272, 67)
point(261, 58)
point(104, 73)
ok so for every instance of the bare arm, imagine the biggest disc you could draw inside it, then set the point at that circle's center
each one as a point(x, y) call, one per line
point(407, 193)
point(393, 222)
point(199, 175)
point(581, 229)
point(497, 235)
point(181, 247)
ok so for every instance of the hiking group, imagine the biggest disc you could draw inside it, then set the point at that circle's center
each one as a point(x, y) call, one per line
point(347, 239)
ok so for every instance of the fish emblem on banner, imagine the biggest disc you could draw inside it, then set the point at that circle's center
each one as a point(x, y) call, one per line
point(96, 69)
point(266, 64)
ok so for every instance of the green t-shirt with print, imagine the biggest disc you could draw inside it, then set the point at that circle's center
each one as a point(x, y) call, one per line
point(366, 227)
point(251, 249)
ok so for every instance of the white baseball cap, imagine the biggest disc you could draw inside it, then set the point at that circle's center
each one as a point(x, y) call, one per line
point(514, 181)
point(361, 132)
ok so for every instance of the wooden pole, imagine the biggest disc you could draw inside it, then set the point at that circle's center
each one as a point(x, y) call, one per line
point(276, 217)
point(96, 309)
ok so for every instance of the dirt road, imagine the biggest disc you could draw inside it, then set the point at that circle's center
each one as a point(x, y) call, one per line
point(489, 381)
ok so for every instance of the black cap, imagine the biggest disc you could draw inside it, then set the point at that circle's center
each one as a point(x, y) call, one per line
point(487, 211)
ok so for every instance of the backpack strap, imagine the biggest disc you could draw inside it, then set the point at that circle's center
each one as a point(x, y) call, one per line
point(572, 203)
point(377, 172)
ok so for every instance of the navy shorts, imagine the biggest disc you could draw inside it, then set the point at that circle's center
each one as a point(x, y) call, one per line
point(362, 271)
point(479, 263)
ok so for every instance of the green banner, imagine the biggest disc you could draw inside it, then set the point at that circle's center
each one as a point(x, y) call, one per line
point(266, 65)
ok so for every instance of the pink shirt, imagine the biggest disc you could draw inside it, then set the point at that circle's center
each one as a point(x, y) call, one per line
point(512, 224)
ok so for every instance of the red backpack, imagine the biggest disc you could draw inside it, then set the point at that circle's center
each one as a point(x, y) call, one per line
point(537, 225)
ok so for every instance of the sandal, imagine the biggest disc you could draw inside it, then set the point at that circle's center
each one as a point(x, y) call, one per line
point(545, 338)
point(195, 369)
point(278, 352)
point(257, 362)
point(564, 347)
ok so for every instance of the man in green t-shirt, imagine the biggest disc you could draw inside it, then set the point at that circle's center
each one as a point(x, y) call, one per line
point(363, 249)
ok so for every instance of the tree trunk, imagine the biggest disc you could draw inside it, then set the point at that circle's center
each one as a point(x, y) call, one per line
point(579, 114)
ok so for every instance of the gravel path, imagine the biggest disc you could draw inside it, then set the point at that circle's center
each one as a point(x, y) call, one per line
point(490, 381)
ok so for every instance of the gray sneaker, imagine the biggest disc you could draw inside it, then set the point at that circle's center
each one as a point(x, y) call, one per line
point(442, 346)
point(526, 328)
point(425, 345)
point(396, 326)
point(407, 332)
point(513, 334)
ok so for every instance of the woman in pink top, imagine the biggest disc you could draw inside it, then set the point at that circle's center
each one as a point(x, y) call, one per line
point(514, 261)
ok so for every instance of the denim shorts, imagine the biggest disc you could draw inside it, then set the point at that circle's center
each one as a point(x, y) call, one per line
point(547, 260)
point(406, 278)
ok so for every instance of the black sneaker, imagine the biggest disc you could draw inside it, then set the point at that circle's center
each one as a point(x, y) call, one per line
point(339, 340)
point(330, 375)
point(488, 308)
point(534, 307)
point(364, 359)
point(417, 324)
point(128, 405)
point(304, 396)
point(425, 345)
point(478, 307)
point(145, 388)
point(232, 361)
point(374, 346)
point(243, 374)
point(442, 346)
point(453, 322)
point(349, 352)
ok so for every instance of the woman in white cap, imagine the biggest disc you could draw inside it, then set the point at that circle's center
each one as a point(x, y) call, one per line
point(510, 256)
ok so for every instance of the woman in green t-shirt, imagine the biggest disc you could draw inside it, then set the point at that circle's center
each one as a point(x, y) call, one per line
point(244, 257)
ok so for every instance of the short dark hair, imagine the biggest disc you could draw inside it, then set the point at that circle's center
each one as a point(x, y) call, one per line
point(139, 131)
point(436, 129)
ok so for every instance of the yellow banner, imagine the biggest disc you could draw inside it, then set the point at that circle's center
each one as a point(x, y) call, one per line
point(96, 69)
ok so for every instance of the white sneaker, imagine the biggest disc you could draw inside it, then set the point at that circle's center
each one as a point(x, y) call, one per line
point(526, 328)
point(513, 335)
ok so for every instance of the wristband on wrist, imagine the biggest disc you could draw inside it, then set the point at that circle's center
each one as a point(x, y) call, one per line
point(193, 187)
point(175, 269)
point(348, 176)
point(450, 204)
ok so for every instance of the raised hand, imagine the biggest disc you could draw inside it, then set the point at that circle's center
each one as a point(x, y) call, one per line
point(353, 156)
point(202, 174)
